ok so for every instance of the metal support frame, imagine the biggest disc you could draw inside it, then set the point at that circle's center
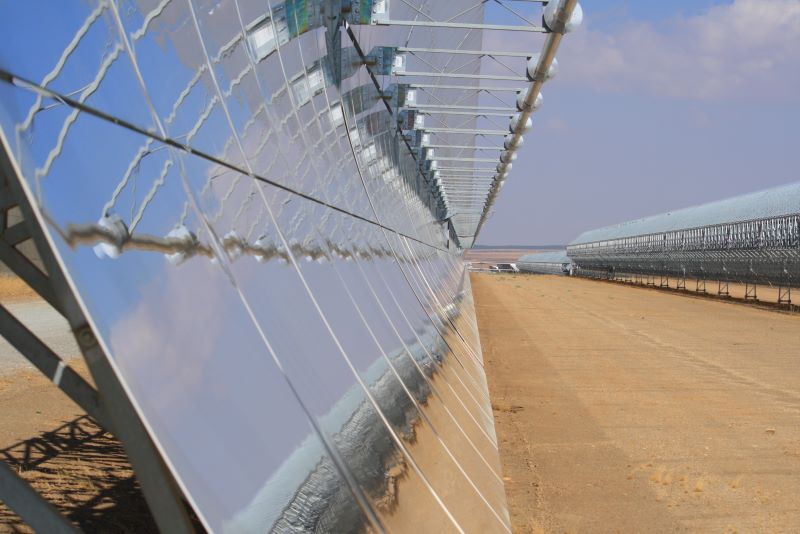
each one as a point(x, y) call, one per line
point(476, 108)
point(468, 172)
point(457, 52)
point(750, 291)
point(680, 283)
point(763, 250)
point(470, 131)
point(464, 194)
point(467, 147)
point(471, 160)
point(108, 404)
point(478, 89)
point(700, 285)
point(476, 114)
point(461, 190)
point(470, 179)
point(785, 295)
point(557, 27)
point(461, 25)
point(464, 76)
point(722, 288)
point(664, 281)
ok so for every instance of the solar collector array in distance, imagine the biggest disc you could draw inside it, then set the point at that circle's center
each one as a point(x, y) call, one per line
point(555, 262)
point(751, 238)
point(260, 261)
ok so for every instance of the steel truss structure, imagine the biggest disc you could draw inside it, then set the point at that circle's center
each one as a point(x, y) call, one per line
point(443, 85)
point(752, 250)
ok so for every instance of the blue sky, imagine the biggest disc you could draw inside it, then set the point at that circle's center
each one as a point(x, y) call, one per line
point(658, 105)
point(606, 14)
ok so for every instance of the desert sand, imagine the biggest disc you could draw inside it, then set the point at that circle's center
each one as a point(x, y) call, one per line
point(627, 409)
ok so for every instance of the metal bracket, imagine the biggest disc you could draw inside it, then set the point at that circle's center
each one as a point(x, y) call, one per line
point(383, 60)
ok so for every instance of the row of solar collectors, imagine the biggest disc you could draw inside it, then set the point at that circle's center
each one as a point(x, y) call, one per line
point(754, 238)
point(462, 182)
point(545, 263)
point(261, 263)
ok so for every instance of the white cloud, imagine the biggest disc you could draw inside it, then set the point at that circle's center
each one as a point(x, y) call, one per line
point(747, 49)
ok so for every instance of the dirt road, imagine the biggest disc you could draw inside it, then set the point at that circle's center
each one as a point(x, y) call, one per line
point(623, 409)
point(51, 328)
point(38, 317)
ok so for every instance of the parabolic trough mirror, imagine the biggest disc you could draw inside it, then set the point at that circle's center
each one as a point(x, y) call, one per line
point(253, 216)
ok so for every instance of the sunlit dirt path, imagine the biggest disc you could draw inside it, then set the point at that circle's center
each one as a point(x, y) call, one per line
point(624, 409)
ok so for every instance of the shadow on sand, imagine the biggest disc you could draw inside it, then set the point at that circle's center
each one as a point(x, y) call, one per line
point(84, 472)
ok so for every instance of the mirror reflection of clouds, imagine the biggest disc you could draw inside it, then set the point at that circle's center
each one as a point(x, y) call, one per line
point(266, 271)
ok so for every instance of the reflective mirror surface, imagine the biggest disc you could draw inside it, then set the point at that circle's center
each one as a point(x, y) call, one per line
point(263, 264)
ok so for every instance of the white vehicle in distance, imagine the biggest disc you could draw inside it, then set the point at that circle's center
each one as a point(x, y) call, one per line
point(506, 267)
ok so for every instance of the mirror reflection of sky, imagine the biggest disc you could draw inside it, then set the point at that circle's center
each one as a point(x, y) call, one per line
point(199, 338)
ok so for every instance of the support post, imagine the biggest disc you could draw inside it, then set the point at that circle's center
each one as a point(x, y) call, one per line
point(700, 285)
point(785, 295)
point(750, 291)
point(722, 288)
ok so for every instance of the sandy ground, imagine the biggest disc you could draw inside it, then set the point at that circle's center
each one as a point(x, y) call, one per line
point(46, 323)
point(76, 465)
point(14, 289)
point(625, 409)
point(67, 458)
point(38, 317)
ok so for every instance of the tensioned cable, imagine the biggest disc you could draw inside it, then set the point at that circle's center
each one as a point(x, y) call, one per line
point(23, 83)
